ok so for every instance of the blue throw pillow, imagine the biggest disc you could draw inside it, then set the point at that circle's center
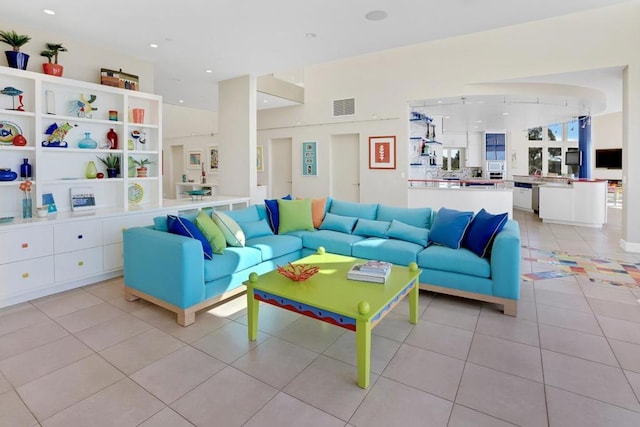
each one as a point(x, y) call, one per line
point(449, 227)
point(184, 227)
point(253, 229)
point(483, 228)
point(273, 214)
point(372, 228)
point(401, 231)
point(343, 224)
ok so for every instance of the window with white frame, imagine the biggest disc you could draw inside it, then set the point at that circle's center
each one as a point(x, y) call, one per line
point(452, 159)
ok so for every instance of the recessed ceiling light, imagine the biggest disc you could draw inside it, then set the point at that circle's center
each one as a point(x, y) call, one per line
point(505, 114)
point(311, 35)
point(49, 11)
point(439, 101)
point(475, 127)
point(447, 117)
point(153, 45)
point(208, 71)
point(265, 100)
point(181, 101)
point(376, 15)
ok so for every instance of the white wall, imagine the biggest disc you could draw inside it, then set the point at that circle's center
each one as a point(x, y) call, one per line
point(606, 132)
point(81, 62)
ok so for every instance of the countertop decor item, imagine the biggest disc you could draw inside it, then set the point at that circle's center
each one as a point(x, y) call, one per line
point(19, 140)
point(298, 272)
point(142, 167)
point(53, 69)
point(112, 162)
point(112, 137)
point(15, 58)
point(25, 169)
point(92, 171)
point(8, 131)
point(87, 141)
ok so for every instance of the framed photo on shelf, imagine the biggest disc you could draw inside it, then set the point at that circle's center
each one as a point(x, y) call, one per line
point(214, 158)
point(382, 152)
point(259, 159)
point(82, 199)
point(194, 159)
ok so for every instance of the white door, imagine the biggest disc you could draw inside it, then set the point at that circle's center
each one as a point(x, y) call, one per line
point(174, 171)
point(345, 167)
point(280, 167)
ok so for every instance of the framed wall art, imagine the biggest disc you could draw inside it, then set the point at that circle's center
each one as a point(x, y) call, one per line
point(382, 152)
point(194, 159)
point(309, 159)
point(260, 159)
point(214, 158)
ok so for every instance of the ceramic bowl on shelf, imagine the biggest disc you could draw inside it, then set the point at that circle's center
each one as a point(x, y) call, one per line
point(42, 211)
point(8, 175)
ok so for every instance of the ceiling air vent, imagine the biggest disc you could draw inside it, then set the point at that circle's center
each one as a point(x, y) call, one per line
point(344, 107)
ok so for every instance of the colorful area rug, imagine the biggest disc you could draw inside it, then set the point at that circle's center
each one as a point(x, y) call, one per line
point(602, 270)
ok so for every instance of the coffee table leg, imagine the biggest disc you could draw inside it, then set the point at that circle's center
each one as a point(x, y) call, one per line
point(363, 350)
point(413, 303)
point(252, 315)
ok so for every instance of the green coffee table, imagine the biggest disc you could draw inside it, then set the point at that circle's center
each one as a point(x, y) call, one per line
point(329, 296)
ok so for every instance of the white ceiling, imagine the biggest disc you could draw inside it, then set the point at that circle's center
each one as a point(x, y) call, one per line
point(239, 37)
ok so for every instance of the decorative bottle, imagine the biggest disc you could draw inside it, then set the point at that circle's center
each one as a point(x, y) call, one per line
point(87, 141)
point(25, 169)
point(112, 137)
point(92, 172)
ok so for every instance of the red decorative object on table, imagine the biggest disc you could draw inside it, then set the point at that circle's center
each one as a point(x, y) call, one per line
point(298, 272)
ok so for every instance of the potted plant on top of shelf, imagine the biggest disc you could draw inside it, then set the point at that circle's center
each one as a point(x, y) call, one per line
point(15, 58)
point(112, 162)
point(142, 168)
point(53, 69)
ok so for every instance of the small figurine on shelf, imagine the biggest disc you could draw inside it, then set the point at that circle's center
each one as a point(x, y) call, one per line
point(204, 175)
point(83, 107)
point(13, 92)
point(56, 135)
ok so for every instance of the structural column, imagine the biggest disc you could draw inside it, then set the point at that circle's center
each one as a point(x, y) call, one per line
point(630, 239)
point(584, 144)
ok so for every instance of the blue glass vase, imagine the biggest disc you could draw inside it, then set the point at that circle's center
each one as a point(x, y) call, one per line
point(87, 142)
point(25, 169)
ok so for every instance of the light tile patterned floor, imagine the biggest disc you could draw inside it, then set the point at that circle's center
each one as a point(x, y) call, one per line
point(571, 358)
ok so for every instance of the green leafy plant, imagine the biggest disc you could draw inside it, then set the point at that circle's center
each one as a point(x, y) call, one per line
point(14, 39)
point(112, 161)
point(142, 162)
point(52, 51)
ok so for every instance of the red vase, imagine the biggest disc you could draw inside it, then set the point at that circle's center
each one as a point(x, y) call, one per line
point(52, 69)
point(112, 137)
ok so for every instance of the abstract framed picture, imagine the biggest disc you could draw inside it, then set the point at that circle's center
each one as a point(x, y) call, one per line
point(260, 159)
point(214, 158)
point(382, 152)
point(194, 159)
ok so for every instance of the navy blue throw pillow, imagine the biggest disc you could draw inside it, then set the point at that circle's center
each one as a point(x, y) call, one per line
point(184, 227)
point(482, 230)
point(273, 213)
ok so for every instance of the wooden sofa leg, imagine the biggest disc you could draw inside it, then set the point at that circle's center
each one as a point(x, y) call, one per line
point(511, 308)
point(186, 317)
point(128, 295)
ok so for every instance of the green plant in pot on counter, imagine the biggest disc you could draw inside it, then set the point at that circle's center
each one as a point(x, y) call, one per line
point(112, 162)
point(53, 68)
point(142, 167)
point(15, 58)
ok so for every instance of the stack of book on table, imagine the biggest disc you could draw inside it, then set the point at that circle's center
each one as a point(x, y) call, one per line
point(370, 271)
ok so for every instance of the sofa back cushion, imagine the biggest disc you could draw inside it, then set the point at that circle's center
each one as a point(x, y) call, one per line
point(343, 224)
point(418, 217)
point(401, 231)
point(253, 229)
point(184, 227)
point(250, 213)
point(372, 228)
point(212, 232)
point(449, 227)
point(295, 215)
point(359, 210)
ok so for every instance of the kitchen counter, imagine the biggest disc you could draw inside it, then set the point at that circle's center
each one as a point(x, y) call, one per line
point(581, 202)
point(457, 183)
point(465, 198)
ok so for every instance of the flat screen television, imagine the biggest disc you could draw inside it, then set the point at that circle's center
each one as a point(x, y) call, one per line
point(610, 158)
point(572, 158)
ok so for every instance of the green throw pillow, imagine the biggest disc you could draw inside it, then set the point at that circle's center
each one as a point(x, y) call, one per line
point(211, 231)
point(295, 215)
point(232, 232)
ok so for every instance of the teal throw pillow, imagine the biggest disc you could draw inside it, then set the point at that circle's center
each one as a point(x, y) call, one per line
point(295, 215)
point(253, 229)
point(449, 227)
point(343, 224)
point(230, 229)
point(372, 228)
point(212, 232)
point(184, 227)
point(401, 231)
point(482, 230)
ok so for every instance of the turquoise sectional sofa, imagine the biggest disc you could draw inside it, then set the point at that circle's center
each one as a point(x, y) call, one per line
point(169, 269)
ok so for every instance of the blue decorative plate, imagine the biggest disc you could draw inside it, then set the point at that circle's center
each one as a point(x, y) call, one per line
point(135, 192)
point(8, 131)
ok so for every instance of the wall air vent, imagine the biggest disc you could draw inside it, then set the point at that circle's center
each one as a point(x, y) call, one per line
point(344, 107)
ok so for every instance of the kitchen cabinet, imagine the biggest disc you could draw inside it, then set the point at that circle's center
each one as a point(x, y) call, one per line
point(522, 197)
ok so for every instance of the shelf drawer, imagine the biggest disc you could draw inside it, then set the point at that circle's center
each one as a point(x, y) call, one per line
point(78, 264)
point(78, 235)
point(25, 276)
point(112, 228)
point(20, 245)
point(113, 257)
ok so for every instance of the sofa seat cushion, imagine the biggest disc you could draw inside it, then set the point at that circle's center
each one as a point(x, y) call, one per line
point(333, 241)
point(398, 252)
point(461, 261)
point(273, 246)
point(233, 259)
